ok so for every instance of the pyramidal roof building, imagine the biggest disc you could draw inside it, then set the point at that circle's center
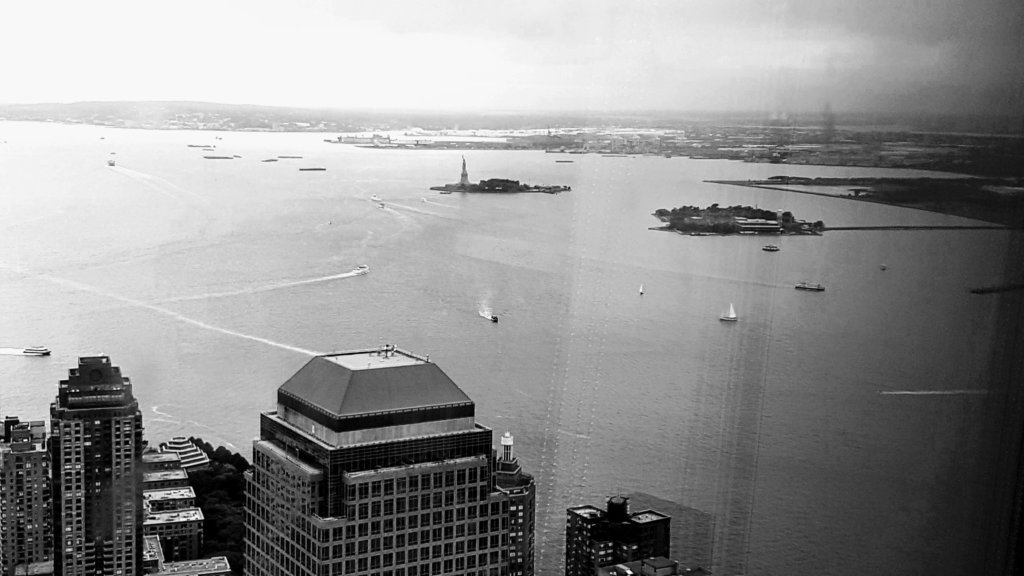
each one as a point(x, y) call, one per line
point(373, 464)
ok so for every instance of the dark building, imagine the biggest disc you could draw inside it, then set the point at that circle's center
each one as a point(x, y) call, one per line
point(596, 538)
point(25, 512)
point(373, 464)
point(96, 449)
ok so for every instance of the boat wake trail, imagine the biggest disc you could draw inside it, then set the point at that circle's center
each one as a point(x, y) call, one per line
point(160, 185)
point(933, 392)
point(436, 203)
point(160, 310)
point(13, 352)
point(419, 211)
point(257, 289)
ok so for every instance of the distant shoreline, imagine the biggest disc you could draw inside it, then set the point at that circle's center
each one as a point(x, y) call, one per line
point(971, 198)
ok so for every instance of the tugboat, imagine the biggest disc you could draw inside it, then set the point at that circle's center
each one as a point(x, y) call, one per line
point(36, 351)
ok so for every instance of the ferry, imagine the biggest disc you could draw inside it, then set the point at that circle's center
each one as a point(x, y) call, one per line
point(36, 351)
point(811, 287)
point(770, 248)
point(361, 269)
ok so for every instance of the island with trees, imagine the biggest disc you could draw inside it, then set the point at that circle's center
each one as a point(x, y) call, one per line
point(716, 220)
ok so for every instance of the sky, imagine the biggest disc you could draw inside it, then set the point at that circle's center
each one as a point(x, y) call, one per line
point(526, 55)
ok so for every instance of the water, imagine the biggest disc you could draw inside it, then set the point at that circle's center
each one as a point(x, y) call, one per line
point(210, 282)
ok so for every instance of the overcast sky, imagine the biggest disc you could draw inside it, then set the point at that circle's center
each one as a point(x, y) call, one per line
point(767, 55)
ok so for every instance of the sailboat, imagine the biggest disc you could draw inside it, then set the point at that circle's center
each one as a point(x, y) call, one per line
point(641, 289)
point(729, 316)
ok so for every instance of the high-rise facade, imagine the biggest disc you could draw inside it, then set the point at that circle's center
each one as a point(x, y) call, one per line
point(373, 464)
point(520, 489)
point(25, 534)
point(96, 449)
point(595, 537)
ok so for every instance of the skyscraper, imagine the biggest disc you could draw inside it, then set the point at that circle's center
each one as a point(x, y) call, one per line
point(521, 492)
point(96, 448)
point(595, 538)
point(373, 464)
point(25, 534)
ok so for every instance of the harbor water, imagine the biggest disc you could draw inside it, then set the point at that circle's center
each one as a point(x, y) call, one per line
point(822, 433)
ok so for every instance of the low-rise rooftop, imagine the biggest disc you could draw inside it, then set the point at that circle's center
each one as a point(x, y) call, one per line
point(174, 516)
point(168, 494)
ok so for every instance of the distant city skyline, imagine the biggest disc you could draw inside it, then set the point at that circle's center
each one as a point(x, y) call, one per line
point(796, 56)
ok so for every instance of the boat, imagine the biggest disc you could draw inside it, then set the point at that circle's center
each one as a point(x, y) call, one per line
point(884, 267)
point(641, 289)
point(312, 169)
point(729, 316)
point(811, 287)
point(36, 351)
point(361, 269)
point(770, 248)
point(375, 198)
point(381, 205)
point(494, 318)
point(111, 163)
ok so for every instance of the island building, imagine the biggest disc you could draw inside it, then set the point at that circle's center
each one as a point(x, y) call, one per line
point(25, 510)
point(596, 538)
point(373, 463)
point(96, 448)
point(192, 458)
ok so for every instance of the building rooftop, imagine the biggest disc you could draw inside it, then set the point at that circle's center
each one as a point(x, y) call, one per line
point(161, 475)
point(217, 564)
point(371, 382)
point(647, 516)
point(151, 550)
point(161, 457)
point(168, 494)
point(587, 511)
point(172, 516)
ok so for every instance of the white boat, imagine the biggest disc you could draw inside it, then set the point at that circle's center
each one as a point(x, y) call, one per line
point(729, 316)
point(361, 269)
point(375, 198)
point(36, 351)
point(641, 289)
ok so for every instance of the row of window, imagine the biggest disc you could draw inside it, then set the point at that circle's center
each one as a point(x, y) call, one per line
point(414, 483)
point(375, 545)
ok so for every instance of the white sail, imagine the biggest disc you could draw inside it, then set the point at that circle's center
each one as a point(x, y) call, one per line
point(732, 311)
point(729, 316)
point(641, 289)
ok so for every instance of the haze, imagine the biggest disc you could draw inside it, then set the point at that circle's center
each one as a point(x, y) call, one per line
point(863, 55)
